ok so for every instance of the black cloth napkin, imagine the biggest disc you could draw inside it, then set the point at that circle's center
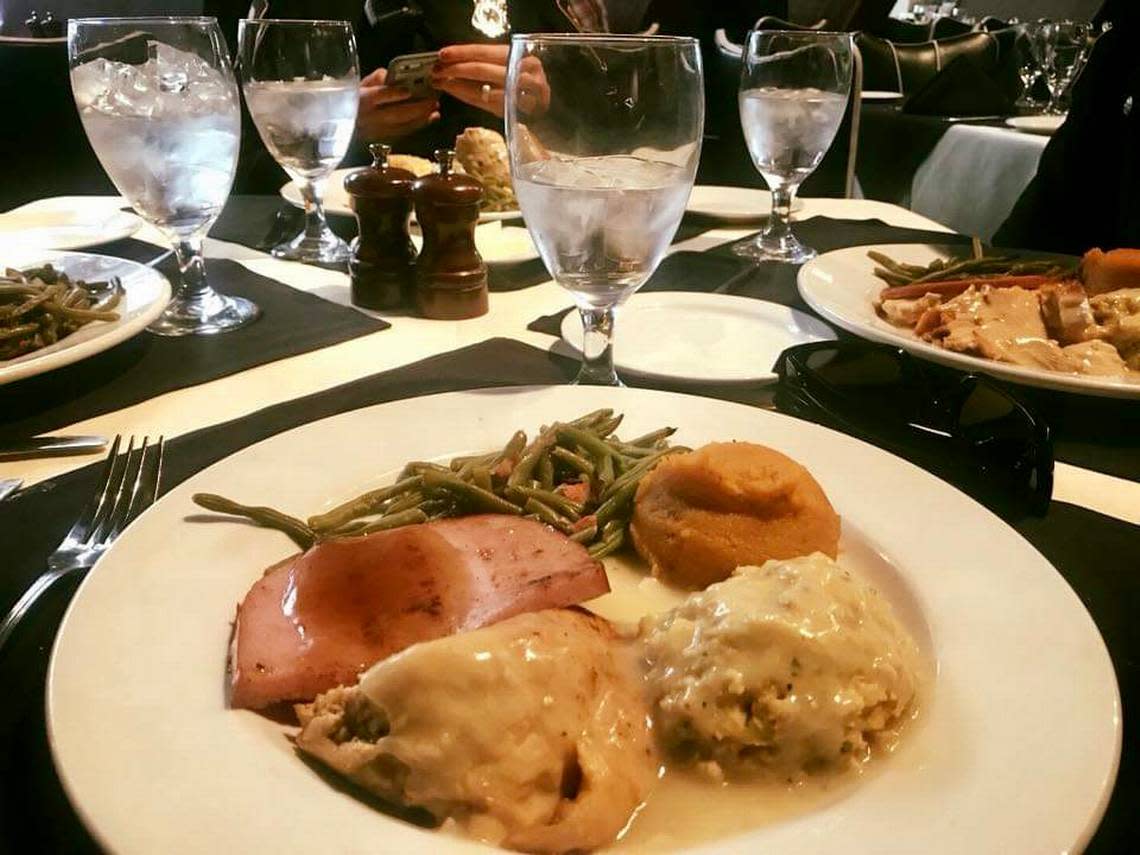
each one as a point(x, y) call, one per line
point(721, 271)
point(261, 222)
point(145, 366)
point(1095, 554)
point(962, 88)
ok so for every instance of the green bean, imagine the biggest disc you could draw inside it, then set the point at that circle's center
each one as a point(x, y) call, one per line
point(607, 426)
point(591, 419)
point(607, 546)
point(584, 535)
point(300, 533)
point(591, 442)
point(653, 437)
point(635, 474)
point(558, 502)
point(18, 331)
point(605, 470)
point(79, 314)
point(529, 460)
point(547, 515)
point(617, 503)
point(410, 499)
point(363, 505)
point(412, 516)
point(481, 477)
point(475, 496)
point(574, 461)
point(546, 471)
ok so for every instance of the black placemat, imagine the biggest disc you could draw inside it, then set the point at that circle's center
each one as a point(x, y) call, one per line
point(1096, 554)
point(260, 222)
point(292, 322)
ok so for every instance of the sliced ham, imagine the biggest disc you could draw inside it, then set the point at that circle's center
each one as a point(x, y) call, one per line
point(317, 620)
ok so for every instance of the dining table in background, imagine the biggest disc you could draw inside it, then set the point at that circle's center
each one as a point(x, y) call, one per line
point(965, 174)
point(1097, 489)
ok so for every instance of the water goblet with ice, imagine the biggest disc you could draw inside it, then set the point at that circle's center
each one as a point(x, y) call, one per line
point(301, 81)
point(159, 102)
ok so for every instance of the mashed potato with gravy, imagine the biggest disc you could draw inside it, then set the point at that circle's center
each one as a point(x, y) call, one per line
point(793, 668)
point(698, 516)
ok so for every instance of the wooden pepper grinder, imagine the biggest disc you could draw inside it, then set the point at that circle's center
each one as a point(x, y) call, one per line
point(451, 278)
point(382, 264)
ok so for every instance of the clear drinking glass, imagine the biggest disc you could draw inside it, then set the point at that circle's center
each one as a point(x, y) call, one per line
point(1032, 40)
point(301, 82)
point(159, 103)
point(1068, 43)
point(794, 88)
point(604, 134)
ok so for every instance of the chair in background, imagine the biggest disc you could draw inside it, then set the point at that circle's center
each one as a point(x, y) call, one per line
point(45, 151)
point(945, 28)
point(902, 32)
point(907, 67)
point(725, 158)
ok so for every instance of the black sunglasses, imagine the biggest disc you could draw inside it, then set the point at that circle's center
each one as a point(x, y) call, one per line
point(966, 429)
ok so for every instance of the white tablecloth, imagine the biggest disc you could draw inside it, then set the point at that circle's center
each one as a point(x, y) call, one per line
point(974, 176)
point(411, 339)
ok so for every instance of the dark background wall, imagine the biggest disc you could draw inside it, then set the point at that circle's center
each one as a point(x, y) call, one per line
point(1028, 10)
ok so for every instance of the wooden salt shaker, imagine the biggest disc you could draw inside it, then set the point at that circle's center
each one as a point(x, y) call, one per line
point(451, 278)
point(382, 265)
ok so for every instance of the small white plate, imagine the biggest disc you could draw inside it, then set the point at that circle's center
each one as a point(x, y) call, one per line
point(842, 286)
point(703, 338)
point(337, 199)
point(880, 95)
point(1043, 125)
point(146, 293)
point(497, 243)
point(733, 204)
point(1015, 750)
point(65, 228)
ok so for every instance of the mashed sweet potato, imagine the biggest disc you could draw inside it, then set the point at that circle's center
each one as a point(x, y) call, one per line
point(700, 515)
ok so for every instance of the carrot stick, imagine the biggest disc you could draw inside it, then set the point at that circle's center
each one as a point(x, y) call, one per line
point(954, 287)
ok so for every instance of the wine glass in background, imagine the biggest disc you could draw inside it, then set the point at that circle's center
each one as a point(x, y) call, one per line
point(159, 102)
point(1068, 45)
point(1032, 41)
point(300, 80)
point(604, 134)
point(794, 88)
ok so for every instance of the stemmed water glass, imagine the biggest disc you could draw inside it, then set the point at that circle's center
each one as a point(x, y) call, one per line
point(1068, 43)
point(301, 80)
point(1032, 45)
point(794, 89)
point(604, 134)
point(159, 103)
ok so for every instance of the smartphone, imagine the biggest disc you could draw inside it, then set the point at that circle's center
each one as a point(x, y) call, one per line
point(412, 71)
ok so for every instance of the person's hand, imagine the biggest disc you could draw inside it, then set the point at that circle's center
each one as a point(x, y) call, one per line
point(477, 75)
point(387, 112)
point(474, 74)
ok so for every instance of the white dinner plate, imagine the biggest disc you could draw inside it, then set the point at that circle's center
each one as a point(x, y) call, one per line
point(76, 227)
point(337, 200)
point(702, 338)
point(146, 295)
point(880, 95)
point(1043, 125)
point(1015, 750)
point(733, 204)
point(841, 286)
point(497, 242)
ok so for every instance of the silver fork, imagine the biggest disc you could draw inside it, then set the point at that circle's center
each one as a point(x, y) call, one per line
point(130, 485)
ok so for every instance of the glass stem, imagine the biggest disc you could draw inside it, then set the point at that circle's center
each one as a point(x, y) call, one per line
point(597, 348)
point(780, 221)
point(191, 268)
point(312, 192)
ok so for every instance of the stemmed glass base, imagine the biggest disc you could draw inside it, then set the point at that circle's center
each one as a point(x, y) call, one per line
point(316, 243)
point(324, 246)
point(196, 308)
point(205, 313)
point(597, 348)
point(777, 242)
point(780, 246)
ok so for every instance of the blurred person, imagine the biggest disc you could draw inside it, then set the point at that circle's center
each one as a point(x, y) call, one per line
point(1086, 192)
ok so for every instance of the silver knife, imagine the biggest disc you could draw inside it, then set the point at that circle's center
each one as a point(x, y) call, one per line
point(8, 486)
point(51, 446)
